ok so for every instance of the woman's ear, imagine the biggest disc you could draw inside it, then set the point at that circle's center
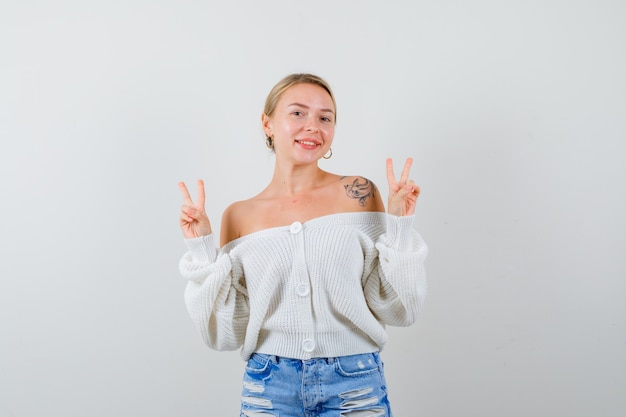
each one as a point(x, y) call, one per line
point(267, 125)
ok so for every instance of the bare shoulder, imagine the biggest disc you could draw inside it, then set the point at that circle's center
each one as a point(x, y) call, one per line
point(361, 193)
point(234, 220)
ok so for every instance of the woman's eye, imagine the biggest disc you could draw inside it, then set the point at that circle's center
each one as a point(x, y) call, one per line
point(297, 113)
point(326, 119)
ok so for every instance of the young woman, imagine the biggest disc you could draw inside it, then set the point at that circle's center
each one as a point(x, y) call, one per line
point(308, 272)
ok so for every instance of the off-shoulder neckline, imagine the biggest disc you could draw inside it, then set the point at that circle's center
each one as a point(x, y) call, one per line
point(348, 218)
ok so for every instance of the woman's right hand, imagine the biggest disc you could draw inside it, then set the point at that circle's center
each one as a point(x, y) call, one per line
point(193, 219)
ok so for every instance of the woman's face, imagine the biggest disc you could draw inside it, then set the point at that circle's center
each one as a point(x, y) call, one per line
point(302, 124)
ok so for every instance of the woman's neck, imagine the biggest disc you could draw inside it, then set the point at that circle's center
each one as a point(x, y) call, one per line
point(293, 180)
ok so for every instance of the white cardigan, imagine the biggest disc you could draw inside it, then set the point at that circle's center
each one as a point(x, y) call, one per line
point(322, 288)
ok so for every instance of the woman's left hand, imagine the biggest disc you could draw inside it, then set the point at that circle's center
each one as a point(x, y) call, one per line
point(403, 193)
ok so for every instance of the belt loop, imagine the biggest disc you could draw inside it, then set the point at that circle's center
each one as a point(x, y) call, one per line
point(274, 359)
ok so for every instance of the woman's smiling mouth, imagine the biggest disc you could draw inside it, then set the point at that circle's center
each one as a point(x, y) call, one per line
point(308, 143)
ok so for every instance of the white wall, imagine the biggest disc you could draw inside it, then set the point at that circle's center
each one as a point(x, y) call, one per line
point(513, 110)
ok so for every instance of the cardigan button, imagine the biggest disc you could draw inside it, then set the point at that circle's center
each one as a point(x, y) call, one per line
point(295, 227)
point(308, 345)
point(302, 290)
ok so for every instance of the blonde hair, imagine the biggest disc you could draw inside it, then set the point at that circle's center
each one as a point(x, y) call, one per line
point(289, 81)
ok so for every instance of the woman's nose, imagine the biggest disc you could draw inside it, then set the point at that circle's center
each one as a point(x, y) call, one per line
point(311, 125)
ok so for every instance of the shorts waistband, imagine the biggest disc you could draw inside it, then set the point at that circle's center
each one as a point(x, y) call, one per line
point(329, 361)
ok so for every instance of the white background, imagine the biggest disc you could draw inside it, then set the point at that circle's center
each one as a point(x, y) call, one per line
point(514, 112)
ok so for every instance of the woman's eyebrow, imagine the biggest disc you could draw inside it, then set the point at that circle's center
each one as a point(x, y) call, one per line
point(307, 107)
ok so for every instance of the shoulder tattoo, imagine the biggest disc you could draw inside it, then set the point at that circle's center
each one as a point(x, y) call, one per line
point(360, 189)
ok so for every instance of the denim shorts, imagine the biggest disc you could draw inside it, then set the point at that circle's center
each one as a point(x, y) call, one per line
point(320, 387)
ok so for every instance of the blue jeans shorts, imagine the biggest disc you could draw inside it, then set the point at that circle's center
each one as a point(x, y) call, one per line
point(320, 387)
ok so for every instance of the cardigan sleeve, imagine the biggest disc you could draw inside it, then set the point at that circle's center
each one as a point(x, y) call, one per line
point(395, 285)
point(216, 297)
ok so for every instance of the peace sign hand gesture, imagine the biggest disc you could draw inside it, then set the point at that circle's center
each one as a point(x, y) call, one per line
point(193, 219)
point(402, 194)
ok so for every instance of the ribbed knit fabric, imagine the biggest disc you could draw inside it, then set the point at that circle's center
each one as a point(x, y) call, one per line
point(323, 288)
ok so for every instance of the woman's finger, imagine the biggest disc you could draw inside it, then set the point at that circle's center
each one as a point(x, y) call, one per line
point(391, 177)
point(188, 213)
point(406, 170)
point(185, 193)
point(201, 193)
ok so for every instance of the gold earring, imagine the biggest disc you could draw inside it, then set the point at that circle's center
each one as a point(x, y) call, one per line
point(331, 154)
